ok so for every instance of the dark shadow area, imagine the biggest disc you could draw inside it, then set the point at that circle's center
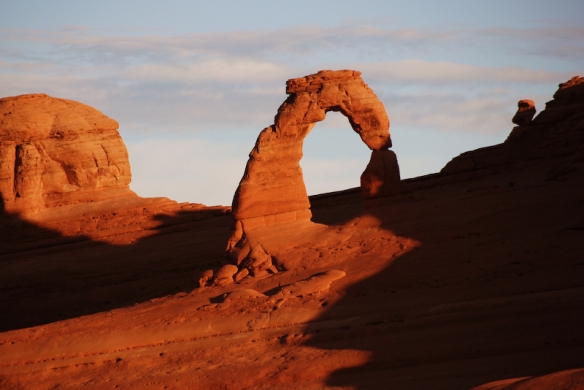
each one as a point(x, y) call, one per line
point(494, 291)
point(325, 207)
point(46, 276)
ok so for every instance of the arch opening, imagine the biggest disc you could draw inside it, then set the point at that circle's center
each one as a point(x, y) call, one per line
point(332, 156)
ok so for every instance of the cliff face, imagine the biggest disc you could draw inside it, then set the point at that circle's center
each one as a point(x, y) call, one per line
point(56, 152)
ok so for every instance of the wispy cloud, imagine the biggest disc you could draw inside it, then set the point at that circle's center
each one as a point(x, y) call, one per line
point(428, 79)
point(442, 73)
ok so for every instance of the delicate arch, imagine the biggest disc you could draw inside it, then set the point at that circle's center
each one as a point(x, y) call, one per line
point(272, 189)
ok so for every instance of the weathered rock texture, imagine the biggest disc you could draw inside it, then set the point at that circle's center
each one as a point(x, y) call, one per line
point(466, 283)
point(56, 152)
point(272, 187)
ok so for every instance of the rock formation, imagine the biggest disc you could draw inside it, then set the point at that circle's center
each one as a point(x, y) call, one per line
point(381, 177)
point(272, 189)
point(56, 152)
point(556, 131)
point(462, 283)
point(525, 112)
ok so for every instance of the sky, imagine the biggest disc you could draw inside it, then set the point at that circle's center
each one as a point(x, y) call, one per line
point(192, 83)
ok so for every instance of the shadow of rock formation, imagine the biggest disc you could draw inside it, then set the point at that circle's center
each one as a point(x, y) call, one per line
point(48, 276)
point(495, 288)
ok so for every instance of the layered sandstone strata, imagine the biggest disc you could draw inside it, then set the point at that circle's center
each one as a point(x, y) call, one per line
point(56, 152)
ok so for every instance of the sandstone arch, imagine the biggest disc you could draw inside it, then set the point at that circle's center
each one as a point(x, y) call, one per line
point(272, 189)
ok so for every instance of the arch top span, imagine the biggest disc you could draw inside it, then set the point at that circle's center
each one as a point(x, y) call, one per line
point(272, 189)
point(311, 97)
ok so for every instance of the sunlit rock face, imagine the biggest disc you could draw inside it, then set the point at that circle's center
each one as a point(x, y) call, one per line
point(272, 188)
point(272, 191)
point(55, 152)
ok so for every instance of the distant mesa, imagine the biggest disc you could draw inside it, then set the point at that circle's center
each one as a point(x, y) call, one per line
point(56, 152)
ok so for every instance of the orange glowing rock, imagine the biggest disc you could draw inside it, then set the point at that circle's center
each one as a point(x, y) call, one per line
point(56, 152)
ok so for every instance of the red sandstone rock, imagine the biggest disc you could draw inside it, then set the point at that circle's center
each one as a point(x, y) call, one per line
point(469, 282)
point(272, 183)
point(206, 276)
point(55, 152)
point(381, 177)
point(225, 275)
point(272, 190)
point(571, 89)
point(525, 112)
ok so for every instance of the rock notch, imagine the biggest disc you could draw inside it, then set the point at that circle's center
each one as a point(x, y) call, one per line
point(272, 188)
point(55, 152)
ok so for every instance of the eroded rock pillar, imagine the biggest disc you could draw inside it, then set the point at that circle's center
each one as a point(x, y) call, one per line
point(381, 177)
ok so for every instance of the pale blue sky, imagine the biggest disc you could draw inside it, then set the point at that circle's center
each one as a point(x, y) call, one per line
point(192, 83)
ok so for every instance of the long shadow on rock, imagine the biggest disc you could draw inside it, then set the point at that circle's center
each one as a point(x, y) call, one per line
point(494, 291)
point(325, 210)
point(47, 277)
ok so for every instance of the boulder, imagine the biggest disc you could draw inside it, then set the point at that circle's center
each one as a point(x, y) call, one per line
point(206, 276)
point(525, 112)
point(225, 275)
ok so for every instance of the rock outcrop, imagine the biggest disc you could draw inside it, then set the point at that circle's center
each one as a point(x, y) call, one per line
point(381, 177)
point(525, 112)
point(56, 152)
point(558, 131)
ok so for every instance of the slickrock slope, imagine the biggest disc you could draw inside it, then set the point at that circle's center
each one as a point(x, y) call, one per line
point(472, 278)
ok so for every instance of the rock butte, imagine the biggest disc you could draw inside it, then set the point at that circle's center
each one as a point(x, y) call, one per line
point(55, 152)
point(467, 278)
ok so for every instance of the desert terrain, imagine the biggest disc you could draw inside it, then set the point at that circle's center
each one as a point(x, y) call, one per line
point(470, 278)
